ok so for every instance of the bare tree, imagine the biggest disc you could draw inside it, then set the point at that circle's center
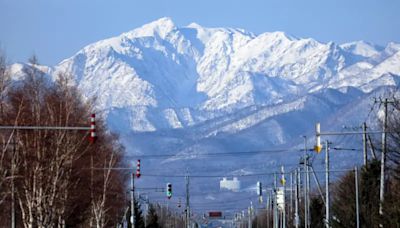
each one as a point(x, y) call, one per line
point(53, 166)
point(394, 129)
point(4, 140)
point(5, 81)
point(99, 206)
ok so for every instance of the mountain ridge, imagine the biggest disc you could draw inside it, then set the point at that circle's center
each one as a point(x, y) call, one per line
point(175, 95)
point(160, 76)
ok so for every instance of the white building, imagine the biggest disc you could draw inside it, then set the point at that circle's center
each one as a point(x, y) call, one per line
point(232, 185)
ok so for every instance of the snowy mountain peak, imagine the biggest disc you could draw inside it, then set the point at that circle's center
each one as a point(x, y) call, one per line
point(392, 47)
point(279, 35)
point(160, 27)
point(194, 25)
point(362, 48)
point(160, 76)
point(193, 90)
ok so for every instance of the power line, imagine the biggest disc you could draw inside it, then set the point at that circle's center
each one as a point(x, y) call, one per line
point(232, 153)
point(210, 154)
point(213, 176)
point(347, 149)
point(230, 175)
point(212, 202)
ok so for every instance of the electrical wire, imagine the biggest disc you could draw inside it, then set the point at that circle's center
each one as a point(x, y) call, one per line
point(231, 153)
point(230, 175)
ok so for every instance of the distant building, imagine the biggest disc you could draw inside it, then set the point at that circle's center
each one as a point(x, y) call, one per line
point(232, 185)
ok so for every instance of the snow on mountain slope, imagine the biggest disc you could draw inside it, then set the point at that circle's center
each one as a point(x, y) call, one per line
point(160, 68)
point(163, 77)
point(187, 91)
point(362, 48)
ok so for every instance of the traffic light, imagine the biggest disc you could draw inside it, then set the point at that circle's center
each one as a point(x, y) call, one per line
point(92, 137)
point(138, 168)
point(259, 188)
point(318, 146)
point(169, 190)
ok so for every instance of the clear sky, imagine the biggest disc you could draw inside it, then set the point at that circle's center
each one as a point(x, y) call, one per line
point(56, 29)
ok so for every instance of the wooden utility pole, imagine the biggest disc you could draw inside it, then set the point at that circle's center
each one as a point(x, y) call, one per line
point(13, 185)
point(306, 186)
point(364, 127)
point(187, 202)
point(291, 195)
point(357, 203)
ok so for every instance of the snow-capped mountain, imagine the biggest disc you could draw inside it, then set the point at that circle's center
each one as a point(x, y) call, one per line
point(192, 90)
point(160, 76)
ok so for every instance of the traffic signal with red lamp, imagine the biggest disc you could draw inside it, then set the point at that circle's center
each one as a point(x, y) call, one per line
point(92, 136)
point(138, 168)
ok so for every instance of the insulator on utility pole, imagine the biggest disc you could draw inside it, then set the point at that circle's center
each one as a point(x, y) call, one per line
point(92, 137)
point(138, 169)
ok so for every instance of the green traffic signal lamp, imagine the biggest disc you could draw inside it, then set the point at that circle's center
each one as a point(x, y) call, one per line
point(169, 190)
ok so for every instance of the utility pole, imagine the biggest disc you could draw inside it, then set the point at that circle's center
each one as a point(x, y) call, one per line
point(133, 199)
point(296, 202)
point(268, 209)
point(147, 209)
point(364, 127)
point(187, 201)
point(244, 221)
point(275, 205)
point(291, 194)
point(91, 188)
point(250, 214)
point(357, 204)
point(383, 158)
point(284, 197)
point(249, 217)
point(327, 216)
point(306, 183)
point(13, 186)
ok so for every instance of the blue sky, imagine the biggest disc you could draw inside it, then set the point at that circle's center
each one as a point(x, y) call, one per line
point(56, 29)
